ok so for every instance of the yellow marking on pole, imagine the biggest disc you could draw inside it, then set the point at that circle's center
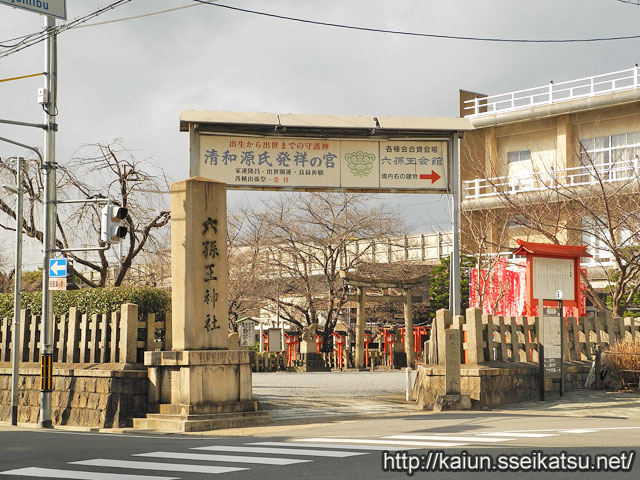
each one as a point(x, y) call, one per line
point(20, 78)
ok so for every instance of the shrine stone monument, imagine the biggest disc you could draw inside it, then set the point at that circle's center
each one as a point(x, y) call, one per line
point(200, 384)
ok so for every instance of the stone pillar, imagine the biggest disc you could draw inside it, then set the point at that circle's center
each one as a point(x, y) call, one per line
point(443, 321)
point(408, 326)
point(200, 378)
point(360, 324)
point(199, 271)
point(452, 361)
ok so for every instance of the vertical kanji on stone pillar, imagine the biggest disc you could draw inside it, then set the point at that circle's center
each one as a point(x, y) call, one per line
point(199, 265)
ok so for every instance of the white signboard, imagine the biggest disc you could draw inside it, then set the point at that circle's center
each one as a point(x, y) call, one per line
point(288, 163)
point(275, 339)
point(52, 8)
point(551, 275)
point(247, 332)
point(58, 283)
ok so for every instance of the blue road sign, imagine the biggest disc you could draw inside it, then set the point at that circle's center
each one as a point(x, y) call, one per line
point(57, 267)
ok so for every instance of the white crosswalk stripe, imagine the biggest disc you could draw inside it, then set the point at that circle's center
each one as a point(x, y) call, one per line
point(329, 445)
point(516, 434)
point(80, 475)
point(168, 467)
point(452, 438)
point(223, 458)
point(391, 443)
point(279, 451)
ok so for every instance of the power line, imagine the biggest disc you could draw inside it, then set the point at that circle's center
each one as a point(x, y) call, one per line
point(417, 34)
point(36, 38)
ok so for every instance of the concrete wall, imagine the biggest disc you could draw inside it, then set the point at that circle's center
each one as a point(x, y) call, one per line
point(102, 396)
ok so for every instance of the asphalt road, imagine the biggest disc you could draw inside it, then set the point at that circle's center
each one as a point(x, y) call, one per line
point(349, 449)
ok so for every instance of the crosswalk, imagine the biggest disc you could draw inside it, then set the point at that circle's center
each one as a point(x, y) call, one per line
point(218, 459)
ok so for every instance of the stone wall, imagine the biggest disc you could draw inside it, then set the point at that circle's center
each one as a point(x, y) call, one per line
point(495, 384)
point(102, 396)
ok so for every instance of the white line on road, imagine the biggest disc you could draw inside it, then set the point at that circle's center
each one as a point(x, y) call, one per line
point(517, 434)
point(223, 458)
point(282, 451)
point(392, 443)
point(168, 467)
point(55, 473)
point(326, 445)
point(453, 438)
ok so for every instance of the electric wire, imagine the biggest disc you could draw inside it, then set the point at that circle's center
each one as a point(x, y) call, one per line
point(42, 35)
point(417, 34)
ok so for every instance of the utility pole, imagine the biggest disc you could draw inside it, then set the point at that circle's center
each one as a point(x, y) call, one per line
point(49, 229)
point(454, 263)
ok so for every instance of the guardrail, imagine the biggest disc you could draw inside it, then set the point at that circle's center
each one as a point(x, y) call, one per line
point(552, 93)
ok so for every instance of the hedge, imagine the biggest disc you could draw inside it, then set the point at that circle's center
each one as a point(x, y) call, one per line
point(92, 300)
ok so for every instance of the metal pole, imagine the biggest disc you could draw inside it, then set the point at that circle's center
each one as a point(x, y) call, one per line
point(49, 229)
point(454, 264)
point(15, 339)
point(561, 349)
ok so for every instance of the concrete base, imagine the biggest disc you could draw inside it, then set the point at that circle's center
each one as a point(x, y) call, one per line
point(200, 390)
point(199, 423)
point(452, 402)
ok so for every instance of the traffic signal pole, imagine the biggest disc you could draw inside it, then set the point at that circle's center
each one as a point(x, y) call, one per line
point(49, 228)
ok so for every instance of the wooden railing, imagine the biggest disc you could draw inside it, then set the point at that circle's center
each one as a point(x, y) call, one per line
point(118, 337)
point(515, 339)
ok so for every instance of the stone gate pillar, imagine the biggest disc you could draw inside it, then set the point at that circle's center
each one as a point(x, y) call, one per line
point(200, 379)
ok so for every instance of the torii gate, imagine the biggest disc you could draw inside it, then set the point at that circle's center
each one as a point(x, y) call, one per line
point(361, 297)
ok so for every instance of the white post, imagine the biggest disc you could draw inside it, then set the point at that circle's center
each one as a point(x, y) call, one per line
point(408, 379)
point(15, 338)
point(261, 337)
point(635, 76)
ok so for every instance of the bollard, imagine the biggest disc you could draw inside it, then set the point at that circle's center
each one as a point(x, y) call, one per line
point(408, 392)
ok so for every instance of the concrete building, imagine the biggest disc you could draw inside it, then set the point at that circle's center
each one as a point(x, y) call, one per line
point(557, 162)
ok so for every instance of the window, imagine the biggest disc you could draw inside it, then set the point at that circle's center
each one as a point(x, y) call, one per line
point(613, 156)
point(519, 156)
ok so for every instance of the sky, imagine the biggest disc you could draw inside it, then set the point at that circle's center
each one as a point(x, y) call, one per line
point(130, 79)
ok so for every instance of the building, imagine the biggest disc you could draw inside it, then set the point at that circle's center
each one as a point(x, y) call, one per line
point(556, 163)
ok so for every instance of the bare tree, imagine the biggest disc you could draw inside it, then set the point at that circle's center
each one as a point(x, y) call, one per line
point(96, 171)
point(297, 246)
point(598, 204)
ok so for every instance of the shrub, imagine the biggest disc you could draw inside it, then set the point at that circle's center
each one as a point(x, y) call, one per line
point(92, 300)
point(623, 358)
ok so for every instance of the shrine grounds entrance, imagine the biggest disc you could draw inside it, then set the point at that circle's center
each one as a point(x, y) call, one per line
point(358, 154)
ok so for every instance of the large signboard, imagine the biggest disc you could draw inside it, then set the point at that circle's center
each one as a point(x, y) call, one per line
point(296, 162)
point(52, 8)
point(551, 275)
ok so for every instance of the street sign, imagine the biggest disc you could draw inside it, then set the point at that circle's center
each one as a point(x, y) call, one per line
point(51, 8)
point(287, 163)
point(57, 268)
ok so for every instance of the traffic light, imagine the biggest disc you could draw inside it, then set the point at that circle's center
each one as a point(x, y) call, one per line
point(111, 225)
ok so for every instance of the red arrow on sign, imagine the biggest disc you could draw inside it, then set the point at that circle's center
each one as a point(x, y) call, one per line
point(433, 176)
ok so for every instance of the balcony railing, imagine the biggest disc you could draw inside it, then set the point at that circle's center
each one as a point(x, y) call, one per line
point(552, 93)
point(545, 180)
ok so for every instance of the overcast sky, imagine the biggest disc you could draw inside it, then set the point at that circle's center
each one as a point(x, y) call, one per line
point(130, 79)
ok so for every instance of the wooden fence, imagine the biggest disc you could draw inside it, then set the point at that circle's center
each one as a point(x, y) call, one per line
point(118, 337)
point(515, 339)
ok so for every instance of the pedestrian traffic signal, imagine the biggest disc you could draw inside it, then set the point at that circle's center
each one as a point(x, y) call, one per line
point(111, 224)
